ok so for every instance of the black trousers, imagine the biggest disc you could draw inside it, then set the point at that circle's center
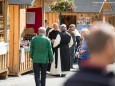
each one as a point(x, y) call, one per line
point(40, 78)
point(72, 55)
point(79, 63)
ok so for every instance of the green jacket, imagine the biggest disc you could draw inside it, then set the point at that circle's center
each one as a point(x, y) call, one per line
point(41, 49)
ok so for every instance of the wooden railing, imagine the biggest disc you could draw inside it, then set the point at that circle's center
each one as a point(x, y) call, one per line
point(26, 65)
point(4, 65)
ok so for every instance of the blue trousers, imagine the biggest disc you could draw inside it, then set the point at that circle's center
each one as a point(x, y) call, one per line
point(37, 68)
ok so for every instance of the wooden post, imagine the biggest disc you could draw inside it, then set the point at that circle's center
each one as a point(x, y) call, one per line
point(104, 18)
point(14, 39)
point(43, 12)
point(5, 19)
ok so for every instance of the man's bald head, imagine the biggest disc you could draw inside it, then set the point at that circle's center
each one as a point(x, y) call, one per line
point(55, 26)
point(100, 34)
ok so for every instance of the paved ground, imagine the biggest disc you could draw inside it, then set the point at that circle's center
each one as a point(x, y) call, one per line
point(28, 79)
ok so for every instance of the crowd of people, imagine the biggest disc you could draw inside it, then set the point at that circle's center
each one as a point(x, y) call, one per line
point(53, 50)
point(64, 43)
point(56, 48)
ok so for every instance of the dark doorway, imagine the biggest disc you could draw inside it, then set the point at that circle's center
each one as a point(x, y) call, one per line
point(68, 19)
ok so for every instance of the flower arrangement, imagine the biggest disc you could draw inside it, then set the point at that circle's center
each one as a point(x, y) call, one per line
point(63, 6)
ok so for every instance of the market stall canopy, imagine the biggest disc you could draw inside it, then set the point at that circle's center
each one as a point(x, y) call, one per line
point(112, 3)
point(21, 2)
point(85, 6)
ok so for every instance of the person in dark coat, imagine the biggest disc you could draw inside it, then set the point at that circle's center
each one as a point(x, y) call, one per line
point(63, 41)
point(101, 44)
point(72, 48)
point(52, 35)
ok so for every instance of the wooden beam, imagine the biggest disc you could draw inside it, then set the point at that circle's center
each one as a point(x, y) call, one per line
point(43, 12)
point(106, 7)
point(5, 20)
point(14, 39)
point(11, 51)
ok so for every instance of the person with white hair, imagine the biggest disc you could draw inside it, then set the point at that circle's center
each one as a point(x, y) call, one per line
point(63, 41)
point(83, 51)
point(41, 54)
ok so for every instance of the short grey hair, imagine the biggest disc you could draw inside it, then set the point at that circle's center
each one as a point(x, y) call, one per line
point(42, 30)
point(63, 27)
point(100, 34)
point(85, 31)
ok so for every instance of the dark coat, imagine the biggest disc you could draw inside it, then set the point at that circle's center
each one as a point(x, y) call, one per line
point(72, 35)
point(90, 77)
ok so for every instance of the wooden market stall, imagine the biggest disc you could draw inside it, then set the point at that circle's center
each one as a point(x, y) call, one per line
point(112, 20)
point(111, 14)
point(19, 58)
point(4, 62)
point(87, 13)
point(21, 32)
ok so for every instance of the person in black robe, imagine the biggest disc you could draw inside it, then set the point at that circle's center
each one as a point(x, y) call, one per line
point(63, 41)
point(93, 72)
point(52, 35)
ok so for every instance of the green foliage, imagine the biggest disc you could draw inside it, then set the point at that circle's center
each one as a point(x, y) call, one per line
point(63, 6)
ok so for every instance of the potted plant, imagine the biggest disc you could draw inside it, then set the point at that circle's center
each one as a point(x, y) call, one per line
point(63, 6)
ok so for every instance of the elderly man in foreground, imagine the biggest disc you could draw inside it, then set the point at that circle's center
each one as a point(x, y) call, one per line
point(101, 44)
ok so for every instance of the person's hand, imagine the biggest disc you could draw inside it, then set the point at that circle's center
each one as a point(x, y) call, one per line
point(81, 51)
point(77, 54)
point(52, 40)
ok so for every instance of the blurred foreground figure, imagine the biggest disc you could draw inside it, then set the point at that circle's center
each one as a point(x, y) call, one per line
point(101, 44)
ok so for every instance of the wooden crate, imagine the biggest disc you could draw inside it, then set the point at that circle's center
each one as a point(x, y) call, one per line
point(26, 65)
point(4, 66)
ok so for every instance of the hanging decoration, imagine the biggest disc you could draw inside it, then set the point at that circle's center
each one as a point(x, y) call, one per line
point(63, 6)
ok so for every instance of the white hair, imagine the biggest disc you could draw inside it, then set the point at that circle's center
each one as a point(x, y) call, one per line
point(85, 31)
point(42, 30)
point(63, 27)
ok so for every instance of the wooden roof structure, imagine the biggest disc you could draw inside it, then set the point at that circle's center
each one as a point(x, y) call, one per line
point(112, 4)
point(25, 2)
point(21, 2)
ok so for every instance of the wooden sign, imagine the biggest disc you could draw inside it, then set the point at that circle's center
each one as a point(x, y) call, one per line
point(0, 7)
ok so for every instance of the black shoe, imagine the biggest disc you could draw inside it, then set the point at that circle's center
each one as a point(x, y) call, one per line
point(63, 75)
